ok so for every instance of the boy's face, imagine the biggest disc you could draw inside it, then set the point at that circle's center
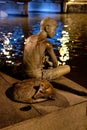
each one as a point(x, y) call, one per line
point(51, 30)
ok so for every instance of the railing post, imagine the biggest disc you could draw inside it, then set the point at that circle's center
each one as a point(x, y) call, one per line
point(26, 8)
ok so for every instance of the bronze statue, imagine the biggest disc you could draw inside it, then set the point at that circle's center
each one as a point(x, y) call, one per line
point(35, 50)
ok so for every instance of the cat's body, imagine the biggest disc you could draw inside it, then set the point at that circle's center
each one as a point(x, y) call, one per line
point(32, 91)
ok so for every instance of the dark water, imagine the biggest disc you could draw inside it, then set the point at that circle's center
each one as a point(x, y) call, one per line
point(69, 42)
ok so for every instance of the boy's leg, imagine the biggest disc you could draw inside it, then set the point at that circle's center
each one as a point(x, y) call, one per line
point(55, 73)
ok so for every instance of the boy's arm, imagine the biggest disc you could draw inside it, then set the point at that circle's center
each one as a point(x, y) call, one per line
point(52, 55)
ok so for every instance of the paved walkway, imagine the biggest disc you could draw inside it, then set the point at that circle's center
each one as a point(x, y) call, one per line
point(67, 112)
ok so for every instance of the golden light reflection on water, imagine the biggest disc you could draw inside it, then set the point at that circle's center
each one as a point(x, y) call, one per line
point(64, 49)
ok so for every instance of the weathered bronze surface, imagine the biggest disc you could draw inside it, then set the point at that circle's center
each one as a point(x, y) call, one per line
point(36, 48)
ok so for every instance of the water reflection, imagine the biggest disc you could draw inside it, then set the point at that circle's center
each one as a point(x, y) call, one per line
point(11, 45)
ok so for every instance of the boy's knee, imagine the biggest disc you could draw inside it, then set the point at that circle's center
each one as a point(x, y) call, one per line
point(67, 67)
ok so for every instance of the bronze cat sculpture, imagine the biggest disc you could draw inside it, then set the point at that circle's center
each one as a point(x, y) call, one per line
point(32, 91)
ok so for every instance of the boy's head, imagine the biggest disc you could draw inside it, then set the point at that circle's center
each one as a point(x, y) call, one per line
point(49, 26)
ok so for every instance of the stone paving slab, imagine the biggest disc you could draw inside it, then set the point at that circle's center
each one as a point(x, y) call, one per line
point(70, 118)
point(12, 113)
point(69, 85)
